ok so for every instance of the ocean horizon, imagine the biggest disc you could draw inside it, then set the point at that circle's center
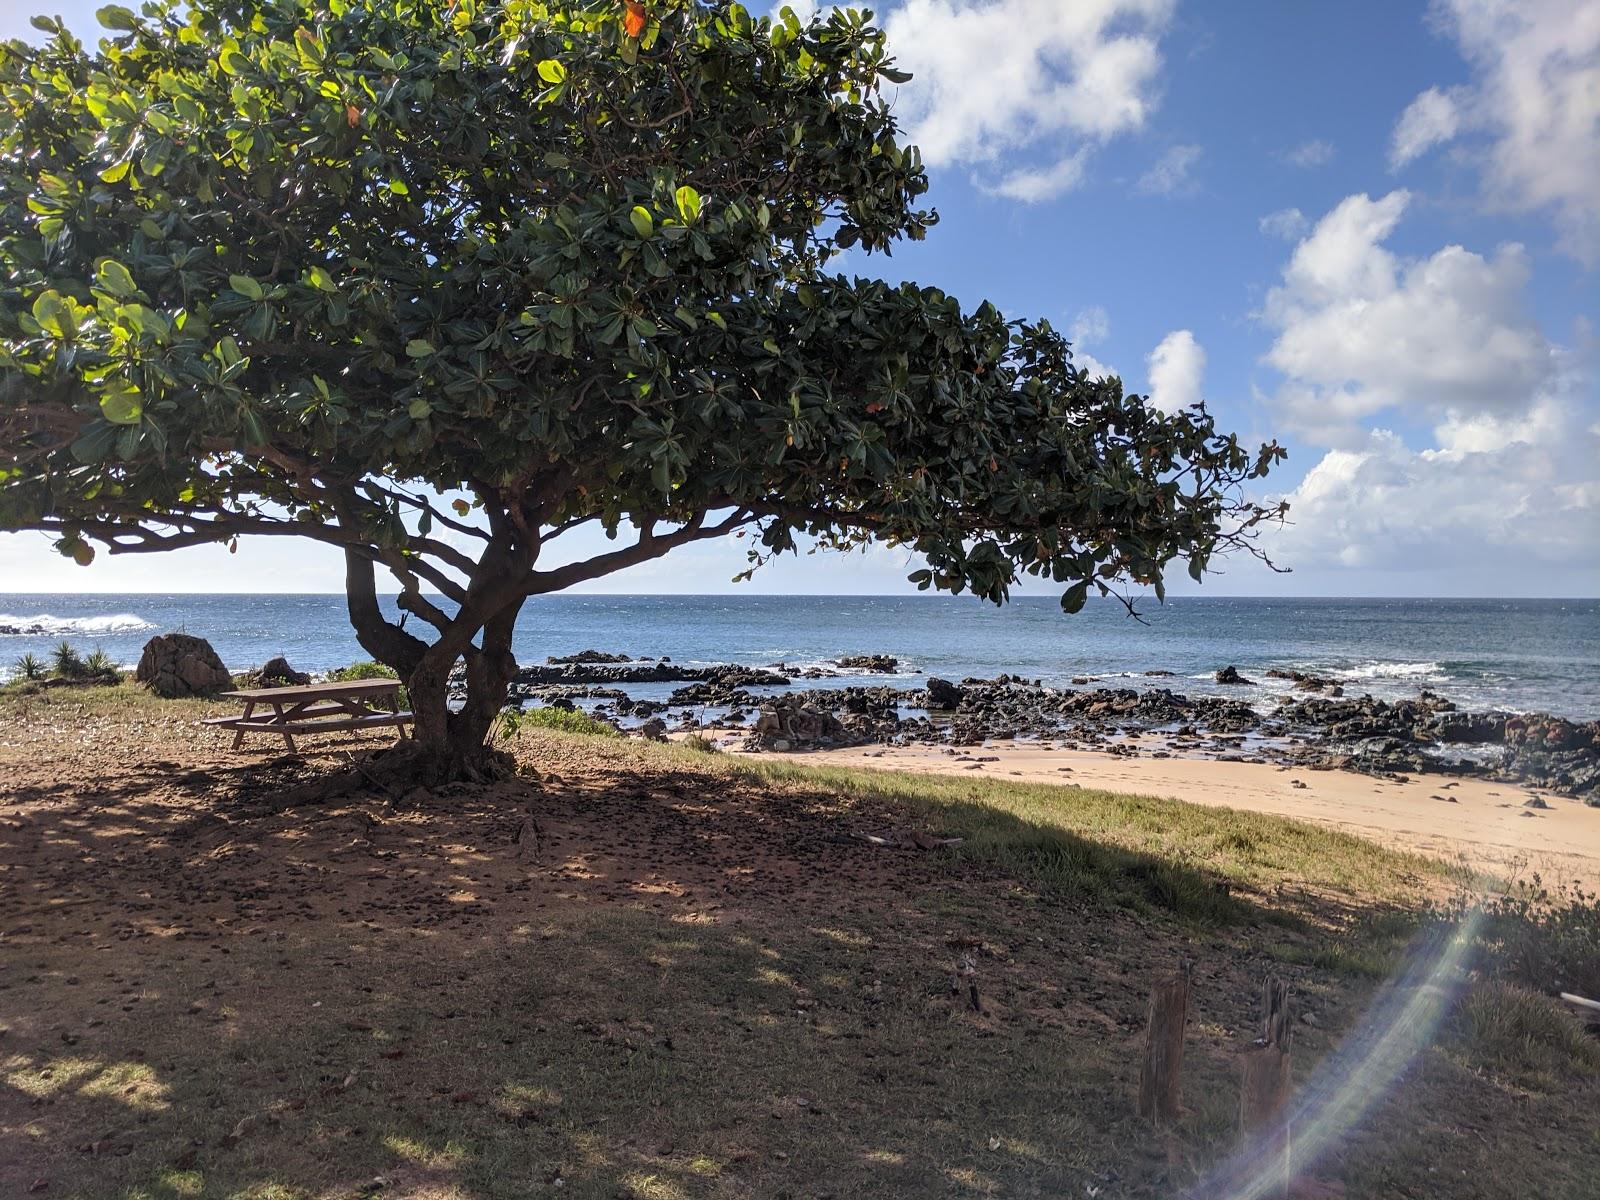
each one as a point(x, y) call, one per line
point(1519, 654)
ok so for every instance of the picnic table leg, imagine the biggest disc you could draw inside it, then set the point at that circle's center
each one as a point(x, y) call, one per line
point(238, 736)
point(394, 707)
point(277, 714)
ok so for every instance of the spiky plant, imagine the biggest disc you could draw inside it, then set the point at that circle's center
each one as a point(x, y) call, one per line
point(29, 667)
point(67, 662)
point(99, 663)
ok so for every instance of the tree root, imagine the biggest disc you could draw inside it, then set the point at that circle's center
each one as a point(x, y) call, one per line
point(402, 771)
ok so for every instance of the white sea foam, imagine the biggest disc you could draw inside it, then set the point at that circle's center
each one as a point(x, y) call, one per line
point(1392, 670)
point(46, 625)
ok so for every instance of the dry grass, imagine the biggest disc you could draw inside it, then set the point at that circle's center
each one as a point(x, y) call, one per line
point(684, 976)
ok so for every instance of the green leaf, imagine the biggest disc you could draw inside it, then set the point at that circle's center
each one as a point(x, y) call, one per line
point(114, 16)
point(55, 315)
point(399, 188)
point(552, 71)
point(246, 287)
point(232, 61)
point(420, 409)
point(643, 223)
point(115, 278)
point(419, 348)
point(688, 204)
point(1073, 598)
point(117, 171)
point(321, 280)
point(120, 403)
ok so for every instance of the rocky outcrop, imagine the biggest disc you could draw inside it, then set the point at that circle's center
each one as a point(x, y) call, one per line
point(615, 674)
point(789, 725)
point(587, 657)
point(176, 665)
point(943, 694)
point(276, 672)
point(1230, 675)
point(1308, 682)
point(881, 664)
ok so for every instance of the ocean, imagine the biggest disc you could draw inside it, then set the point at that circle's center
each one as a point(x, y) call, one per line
point(1525, 655)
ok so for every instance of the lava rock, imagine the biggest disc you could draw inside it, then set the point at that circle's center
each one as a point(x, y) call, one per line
point(178, 665)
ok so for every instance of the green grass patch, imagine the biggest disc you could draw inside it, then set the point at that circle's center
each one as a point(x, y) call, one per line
point(559, 720)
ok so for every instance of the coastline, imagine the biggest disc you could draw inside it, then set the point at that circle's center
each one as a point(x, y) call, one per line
point(1481, 824)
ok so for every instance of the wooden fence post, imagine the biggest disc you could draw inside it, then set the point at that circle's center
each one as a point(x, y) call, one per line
point(1160, 1075)
point(1267, 1081)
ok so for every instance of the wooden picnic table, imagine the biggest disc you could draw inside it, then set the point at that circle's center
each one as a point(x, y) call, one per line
point(317, 708)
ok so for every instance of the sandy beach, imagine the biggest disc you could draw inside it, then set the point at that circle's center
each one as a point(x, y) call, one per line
point(1484, 824)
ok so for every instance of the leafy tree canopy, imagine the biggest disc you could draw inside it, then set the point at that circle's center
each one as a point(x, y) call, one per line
point(302, 267)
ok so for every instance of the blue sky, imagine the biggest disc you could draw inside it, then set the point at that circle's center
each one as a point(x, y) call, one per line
point(1370, 230)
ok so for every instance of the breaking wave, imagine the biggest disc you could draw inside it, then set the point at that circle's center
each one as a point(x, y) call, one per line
point(1393, 670)
point(46, 625)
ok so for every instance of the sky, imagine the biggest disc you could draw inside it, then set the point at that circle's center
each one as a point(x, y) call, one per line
point(1369, 230)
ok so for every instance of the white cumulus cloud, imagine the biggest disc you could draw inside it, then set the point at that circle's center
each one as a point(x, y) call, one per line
point(1511, 473)
point(1286, 223)
point(1359, 330)
point(1428, 121)
point(1171, 172)
point(1533, 109)
point(1177, 365)
point(1315, 153)
point(1007, 82)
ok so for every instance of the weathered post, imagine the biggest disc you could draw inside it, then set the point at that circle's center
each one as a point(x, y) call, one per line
point(1267, 1080)
point(1160, 1076)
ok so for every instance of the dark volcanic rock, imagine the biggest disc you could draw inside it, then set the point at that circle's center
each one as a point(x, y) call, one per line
point(789, 725)
point(882, 664)
point(941, 693)
point(175, 665)
point(1231, 675)
point(587, 656)
point(1308, 682)
point(276, 672)
point(642, 672)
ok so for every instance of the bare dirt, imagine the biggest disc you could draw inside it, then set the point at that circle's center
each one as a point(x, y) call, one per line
point(615, 977)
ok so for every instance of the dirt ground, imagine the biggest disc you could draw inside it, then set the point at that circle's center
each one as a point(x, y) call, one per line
point(626, 975)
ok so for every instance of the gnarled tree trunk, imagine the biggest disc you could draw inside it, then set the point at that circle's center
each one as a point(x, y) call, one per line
point(448, 744)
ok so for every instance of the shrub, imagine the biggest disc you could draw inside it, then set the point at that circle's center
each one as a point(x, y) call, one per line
point(1546, 941)
point(564, 720)
point(99, 663)
point(364, 669)
point(1509, 1028)
point(29, 667)
point(698, 741)
point(67, 662)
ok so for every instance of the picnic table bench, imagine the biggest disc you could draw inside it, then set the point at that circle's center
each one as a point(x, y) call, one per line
point(316, 708)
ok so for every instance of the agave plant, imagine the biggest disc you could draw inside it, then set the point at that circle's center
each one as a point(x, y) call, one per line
point(67, 662)
point(99, 663)
point(29, 667)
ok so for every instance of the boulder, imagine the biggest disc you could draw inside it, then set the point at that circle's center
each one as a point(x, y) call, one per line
point(587, 657)
point(175, 665)
point(789, 724)
point(943, 694)
point(882, 664)
point(1230, 675)
point(655, 730)
point(276, 673)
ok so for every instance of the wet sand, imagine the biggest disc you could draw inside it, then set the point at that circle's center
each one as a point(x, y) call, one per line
point(1483, 824)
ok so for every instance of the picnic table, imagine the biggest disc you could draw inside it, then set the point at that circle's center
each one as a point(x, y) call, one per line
point(316, 708)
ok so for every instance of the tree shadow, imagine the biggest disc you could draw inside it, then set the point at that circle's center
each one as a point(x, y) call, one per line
point(612, 977)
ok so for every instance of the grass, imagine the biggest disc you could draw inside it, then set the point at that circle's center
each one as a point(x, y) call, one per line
point(559, 720)
point(1144, 852)
point(1524, 1035)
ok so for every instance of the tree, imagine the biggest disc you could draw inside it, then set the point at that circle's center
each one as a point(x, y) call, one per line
point(440, 283)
